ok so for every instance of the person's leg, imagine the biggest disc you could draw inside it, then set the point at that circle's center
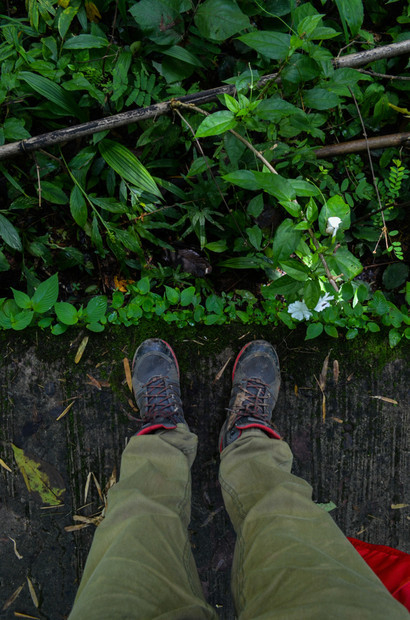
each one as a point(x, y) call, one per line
point(140, 565)
point(291, 560)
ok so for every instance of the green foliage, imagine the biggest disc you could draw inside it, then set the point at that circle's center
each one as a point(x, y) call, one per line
point(115, 204)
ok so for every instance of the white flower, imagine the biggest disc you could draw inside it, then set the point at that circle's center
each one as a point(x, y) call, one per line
point(323, 302)
point(299, 310)
point(333, 224)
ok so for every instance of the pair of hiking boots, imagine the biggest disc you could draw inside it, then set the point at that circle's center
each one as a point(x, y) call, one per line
point(255, 388)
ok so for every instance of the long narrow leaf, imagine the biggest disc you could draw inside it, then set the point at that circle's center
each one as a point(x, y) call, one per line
point(51, 91)
point(120, 159)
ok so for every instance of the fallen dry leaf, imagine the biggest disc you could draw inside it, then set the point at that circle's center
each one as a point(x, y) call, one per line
point(97, 484)
point(32, 592)
point(12, 598)
point(41, 479)
point(3, 464)
point(350, 377)
point(87, 486)
point(398, 506)
point(335, 371)
point(132, 405)
point(94, 382)
point(323, 407)
point(81, 349)
point(296, 390)
point(74, 528)
point(337, 420)
point(19, 614)
point(323, 374)
point(66, 410)
point(18, 555)
point(386, 400)
point(127, 371)
point(221, 372)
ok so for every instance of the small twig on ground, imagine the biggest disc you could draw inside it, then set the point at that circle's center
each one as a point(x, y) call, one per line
point(384, 229)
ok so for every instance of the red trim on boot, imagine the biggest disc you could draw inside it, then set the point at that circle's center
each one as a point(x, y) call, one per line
point(155, 427)
point(266, 429)
point(238, 356)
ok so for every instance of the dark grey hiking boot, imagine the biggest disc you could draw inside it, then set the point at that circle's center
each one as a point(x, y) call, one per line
point(155, 379)
point(255, 388)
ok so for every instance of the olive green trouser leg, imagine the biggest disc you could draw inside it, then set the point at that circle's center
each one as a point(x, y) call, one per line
point(291, 560)
point(140, 565)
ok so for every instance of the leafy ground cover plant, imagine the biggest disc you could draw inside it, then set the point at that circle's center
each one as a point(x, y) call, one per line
point(284, 234)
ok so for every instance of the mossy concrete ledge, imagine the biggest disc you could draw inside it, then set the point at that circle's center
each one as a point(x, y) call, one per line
point(354, 450)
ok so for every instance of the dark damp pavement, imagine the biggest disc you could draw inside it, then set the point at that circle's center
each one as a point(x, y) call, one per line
point(357, 457)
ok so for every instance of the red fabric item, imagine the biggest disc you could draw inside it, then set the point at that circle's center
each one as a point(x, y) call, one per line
point(390, 565)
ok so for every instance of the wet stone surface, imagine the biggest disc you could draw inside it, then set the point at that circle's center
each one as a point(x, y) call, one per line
point(358, 457)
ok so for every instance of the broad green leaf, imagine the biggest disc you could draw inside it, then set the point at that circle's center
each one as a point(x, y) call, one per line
point(66, 313)
point(220, 19)
point(9, 234)
point(295, 269)
point(217, 246)
point(21, 299)
point(95, 327)
point(65, 19)
point(335, 207)
point(53, 193)
point(331, 331)
point(351, 13)
point(255, 206)
point(284, 285)
point(394, 337)
point(351, 333)
point(311, 293)
point(85, 42)
point(51, 91)
point(395, 275)
point(172, 295)
point(214, 304)
point(144, 285)
point(187, 296)
point(255, 236)
point(96, 308)
point(14, 129)
point(320, 99)
point(216, 123)
point(120, 159)
point(285, 241)
point(22, 320)
point(242, 178)
point(78, 206)
point(313, 331)
point(344, 262)
point(180, 53)
point(274, 45)
point(45, 294)
point(41, 479)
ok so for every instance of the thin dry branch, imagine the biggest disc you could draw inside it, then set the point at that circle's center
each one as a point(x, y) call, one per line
point(133, 116)
point(356, 146)
point(363, 58)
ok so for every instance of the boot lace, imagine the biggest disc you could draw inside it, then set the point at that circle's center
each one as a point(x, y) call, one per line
point(251, 401)
point(162, 400)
